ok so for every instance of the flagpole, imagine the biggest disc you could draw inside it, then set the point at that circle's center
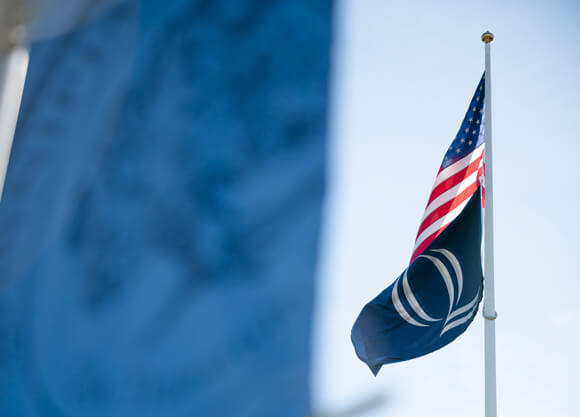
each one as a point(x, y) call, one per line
point(489, 312)
point(13, 66)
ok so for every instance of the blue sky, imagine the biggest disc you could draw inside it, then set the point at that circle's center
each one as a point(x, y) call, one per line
point(403, 77)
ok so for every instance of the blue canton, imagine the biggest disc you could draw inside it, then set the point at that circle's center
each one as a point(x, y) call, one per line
point(468, 137)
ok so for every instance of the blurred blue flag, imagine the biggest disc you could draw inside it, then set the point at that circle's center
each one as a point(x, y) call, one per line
point(162, 208)
point(431, 303)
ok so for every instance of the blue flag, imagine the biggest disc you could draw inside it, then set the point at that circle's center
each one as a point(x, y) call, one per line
point(432, 302)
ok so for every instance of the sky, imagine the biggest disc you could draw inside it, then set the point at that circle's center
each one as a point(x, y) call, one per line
point(403, 75)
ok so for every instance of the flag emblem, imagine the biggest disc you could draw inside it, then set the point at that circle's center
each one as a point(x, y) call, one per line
point(456, 315)
point(437, 296)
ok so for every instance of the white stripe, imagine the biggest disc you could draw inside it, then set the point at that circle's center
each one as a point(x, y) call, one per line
point(456, 267)
point(454, 168)
point(401, 309)
point(413, 301)
point(446, 278)
point(463, 309)
point(451, 193)
point(462, 320)
point(439, 223)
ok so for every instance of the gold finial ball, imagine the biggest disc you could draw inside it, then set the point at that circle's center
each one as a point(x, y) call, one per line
point(487, 37)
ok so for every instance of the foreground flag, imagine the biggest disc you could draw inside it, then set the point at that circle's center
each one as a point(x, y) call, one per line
point(436, 298)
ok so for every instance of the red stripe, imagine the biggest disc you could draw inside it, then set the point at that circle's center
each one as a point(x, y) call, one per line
point(426, 243)
point(454, 179)
point(445, 208)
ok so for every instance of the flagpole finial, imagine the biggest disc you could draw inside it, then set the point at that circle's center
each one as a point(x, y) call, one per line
point(487, 37)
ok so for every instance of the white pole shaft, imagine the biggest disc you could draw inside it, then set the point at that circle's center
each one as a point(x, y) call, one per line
point(12, 76)
point(489, 302)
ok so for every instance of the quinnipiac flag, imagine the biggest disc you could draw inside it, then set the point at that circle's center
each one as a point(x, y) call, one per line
point(437, 296)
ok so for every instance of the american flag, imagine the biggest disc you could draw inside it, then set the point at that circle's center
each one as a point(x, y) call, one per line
point(458, 177)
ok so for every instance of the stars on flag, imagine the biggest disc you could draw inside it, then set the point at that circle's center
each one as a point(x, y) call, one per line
point(468, 137)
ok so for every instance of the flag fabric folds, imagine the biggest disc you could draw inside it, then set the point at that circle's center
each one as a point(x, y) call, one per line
point(437, 296)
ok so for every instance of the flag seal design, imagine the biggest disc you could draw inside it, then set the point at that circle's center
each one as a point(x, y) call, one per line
point(456, 314)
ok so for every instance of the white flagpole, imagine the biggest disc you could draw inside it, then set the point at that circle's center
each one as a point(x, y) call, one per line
point(12, 77)
point(489, 312)
point(14, 17)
